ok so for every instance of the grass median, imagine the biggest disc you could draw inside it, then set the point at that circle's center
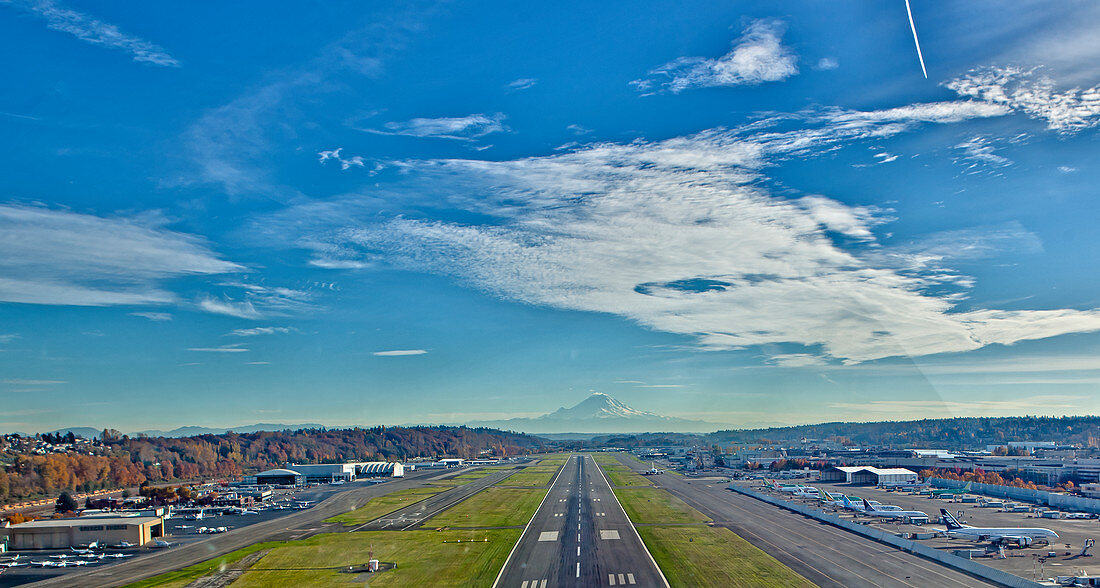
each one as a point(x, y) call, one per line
point(532, 476)
point(714, 557)
point(380, 506)
point(656, 506)
point(492, 507)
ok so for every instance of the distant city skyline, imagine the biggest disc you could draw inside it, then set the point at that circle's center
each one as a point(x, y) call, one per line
point(432, 213)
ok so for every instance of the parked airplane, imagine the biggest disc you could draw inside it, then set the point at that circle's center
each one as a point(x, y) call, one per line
point(807, 492)
point(1020, 536)
point(127, 544)
point(848, 504)
point(937, 492)
point(197, 516)
point(157, 544)
point(91, 546)
point(915, 517)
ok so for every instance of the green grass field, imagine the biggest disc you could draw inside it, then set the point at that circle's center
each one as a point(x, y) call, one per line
point(422, 556)
point(653, 505)
point(606, 458)
point(705, 557)
point(623, 476)
point(531, 476)
point(384, 505)
point(185, 576)
point(492, 507)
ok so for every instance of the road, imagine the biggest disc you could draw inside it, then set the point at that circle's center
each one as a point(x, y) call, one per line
point(298, 525)
point(825, 555)
point(580, 536)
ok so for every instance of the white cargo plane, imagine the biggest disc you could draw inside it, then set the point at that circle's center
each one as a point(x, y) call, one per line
point(913, 516)
point(1020, 536)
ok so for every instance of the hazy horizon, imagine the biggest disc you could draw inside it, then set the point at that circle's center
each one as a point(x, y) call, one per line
point(452, 213)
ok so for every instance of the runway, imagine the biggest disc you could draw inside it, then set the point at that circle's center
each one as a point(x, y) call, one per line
point(823, 554)
point(414, 515)
point(580, 536)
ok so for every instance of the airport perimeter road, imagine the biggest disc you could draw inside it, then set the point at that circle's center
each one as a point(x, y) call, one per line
point(579, 536)
point(413, 515)
point(300, 524)
point(823, 554)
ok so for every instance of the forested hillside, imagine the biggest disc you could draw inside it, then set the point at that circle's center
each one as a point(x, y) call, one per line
point(956, 433)
point(40, 466)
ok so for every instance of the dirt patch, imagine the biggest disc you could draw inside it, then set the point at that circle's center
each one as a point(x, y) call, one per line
point(225, 577)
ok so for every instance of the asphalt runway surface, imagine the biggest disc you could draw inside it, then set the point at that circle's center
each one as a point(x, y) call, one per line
point(580, 536)
point(824, 554)
point(334, 500)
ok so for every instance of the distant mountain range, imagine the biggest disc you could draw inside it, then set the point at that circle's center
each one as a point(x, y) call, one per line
point(599, 413)
point(90, 432)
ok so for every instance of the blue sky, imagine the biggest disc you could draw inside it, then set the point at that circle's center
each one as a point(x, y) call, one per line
point(443, 212)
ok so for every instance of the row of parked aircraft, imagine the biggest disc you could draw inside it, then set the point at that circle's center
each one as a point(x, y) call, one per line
point(1014, 536)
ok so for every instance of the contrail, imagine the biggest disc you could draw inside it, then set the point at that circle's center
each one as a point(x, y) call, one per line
point(915, 39)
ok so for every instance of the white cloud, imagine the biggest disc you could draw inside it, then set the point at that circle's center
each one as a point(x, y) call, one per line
point(1045, 404)
point(796, 360)
point(826, 64)
point(24, 382)
point(1066, 111)
point(399, 352)
point(259, 331)
point(244, 309)
point(522, 84)
point(884, 157)
point(345, 164)
point(1066, 169)
point(96, 32)
point(757, 56)
point(235, 348)
point(61, 257)
point(8, 338)
point(153, 316)
point(979, 153)
point(464, 128)
point(679, 236)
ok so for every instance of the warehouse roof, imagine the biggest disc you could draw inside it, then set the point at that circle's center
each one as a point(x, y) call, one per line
point(279, 472)
point(55, 523)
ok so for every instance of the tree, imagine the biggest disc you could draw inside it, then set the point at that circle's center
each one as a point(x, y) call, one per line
point(126, 493)
point(66, 503)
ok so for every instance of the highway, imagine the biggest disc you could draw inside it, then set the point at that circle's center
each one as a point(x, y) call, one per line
point(580, 536)
point(301, 524)
point(825, 555)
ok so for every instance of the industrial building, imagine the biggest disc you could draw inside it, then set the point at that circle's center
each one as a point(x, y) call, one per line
point(869, 475)
point(323, 473)
point(278, 477)
point(65, 533)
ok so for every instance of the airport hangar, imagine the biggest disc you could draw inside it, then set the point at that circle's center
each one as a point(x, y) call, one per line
point(330, 472)
point(869, 475)
point(65, 533)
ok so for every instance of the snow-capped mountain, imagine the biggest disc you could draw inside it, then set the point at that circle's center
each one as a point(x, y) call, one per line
point(600, 413)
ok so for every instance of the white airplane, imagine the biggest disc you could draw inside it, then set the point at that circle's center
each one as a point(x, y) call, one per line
point(157, 544)
point(247, 512)
point(197, 516)
point(913, 516)
point(857, 506)
point(1020, 536)
point(91, 546)
point(119, 555)
point(807, 492)
point(127, 544)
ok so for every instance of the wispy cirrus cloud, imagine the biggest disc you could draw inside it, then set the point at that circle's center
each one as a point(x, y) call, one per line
point(679, 236)
point(399, 352)
point(757, 56)
point(94, 31)
point(8, 338)
point(1025, 90)
point(522, 84)
point(256, 331)
point(234, 348)
point(462, 128)
point(31, 382)
point(60, 257)
point(153, 316)
point(345, 164)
